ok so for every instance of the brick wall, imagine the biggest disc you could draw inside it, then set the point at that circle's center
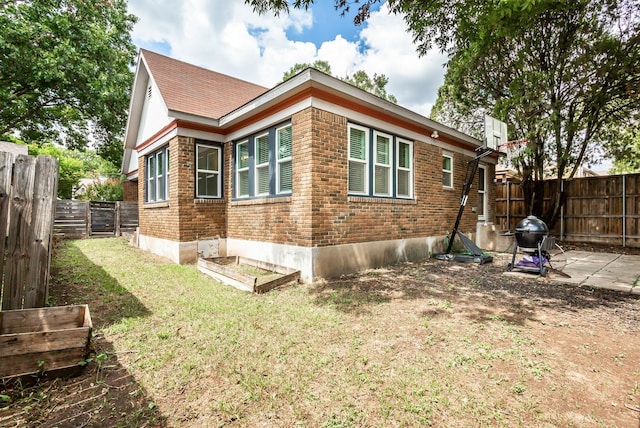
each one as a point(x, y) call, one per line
point(283, 220)
point(320, 212)
point(130, 190)
point(182, 218)
point(342, 219)
point(159, 220)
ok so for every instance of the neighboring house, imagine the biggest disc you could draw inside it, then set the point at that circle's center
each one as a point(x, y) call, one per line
point(16, 149)
point(313, 174)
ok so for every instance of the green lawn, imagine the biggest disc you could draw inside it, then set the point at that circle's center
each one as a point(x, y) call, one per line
point(401, 347)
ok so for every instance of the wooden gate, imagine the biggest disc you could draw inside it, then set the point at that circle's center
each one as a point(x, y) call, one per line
point(103, 218)
point(28, 188)
point(81, 219)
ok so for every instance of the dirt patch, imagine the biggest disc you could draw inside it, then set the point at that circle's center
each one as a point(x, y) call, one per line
point(417, 344)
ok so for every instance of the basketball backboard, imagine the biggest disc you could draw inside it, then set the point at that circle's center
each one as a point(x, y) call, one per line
point(495, 132)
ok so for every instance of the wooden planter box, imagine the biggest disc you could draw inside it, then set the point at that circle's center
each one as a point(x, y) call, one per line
point(43, 339)
point(266, 277)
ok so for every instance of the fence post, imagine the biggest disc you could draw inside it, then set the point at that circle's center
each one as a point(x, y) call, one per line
point(508, 205)
point(88, 204)
point(42, 216)
point(6, 172)
point(19, 238)
point(562, 209)
point(116, 228)
point(624, 210)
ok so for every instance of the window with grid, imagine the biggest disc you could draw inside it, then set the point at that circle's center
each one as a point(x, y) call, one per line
point(447, 170)
point(482, 193)
point(157, 176)
point(284, 149)
point(262, 164)
point(208, 179)
point(382, 164)
point(242, 169)
point(358, 159)
point(404, 171)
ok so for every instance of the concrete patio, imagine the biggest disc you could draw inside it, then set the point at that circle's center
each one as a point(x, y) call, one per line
point(601, 270)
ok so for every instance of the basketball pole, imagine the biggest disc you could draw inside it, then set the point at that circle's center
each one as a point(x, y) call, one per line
point(466, 189)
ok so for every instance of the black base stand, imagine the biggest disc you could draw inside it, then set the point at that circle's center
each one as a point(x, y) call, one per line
point(542, 251)
point(475, 253)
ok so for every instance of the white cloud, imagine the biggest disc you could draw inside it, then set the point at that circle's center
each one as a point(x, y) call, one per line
point(230, 38)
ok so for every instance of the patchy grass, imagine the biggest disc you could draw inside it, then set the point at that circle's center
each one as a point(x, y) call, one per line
point(414, 345)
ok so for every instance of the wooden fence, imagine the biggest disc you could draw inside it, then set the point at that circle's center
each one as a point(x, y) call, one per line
point(597, 209)
point(28, 188)
point(81, 219)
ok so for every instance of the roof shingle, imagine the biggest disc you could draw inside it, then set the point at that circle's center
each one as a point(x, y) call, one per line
point(195, 90)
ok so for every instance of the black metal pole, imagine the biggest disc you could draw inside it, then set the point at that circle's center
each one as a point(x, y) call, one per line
point(463, 203)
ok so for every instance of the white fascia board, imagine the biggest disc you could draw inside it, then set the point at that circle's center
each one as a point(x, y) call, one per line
point(280, 92)
point(399, 131)
point(201, 135)
point(274, 119)
point(174, 114)
point(314, 78)
point(159, 142)
point(342, 88)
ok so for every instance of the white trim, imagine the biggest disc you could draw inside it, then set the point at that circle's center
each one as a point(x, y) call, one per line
point(485, 198)
point(270, 121)
point(410, 169)
point(262, 166)
point(450, 156)
point(239, 170)
point(365, 162)
point(162, 141)
point(388, 127)
point(389, 166)
point(218, 149)
point(283, 160)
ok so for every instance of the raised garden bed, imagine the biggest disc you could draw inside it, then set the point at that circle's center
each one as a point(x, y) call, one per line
point(43, 339)
point(247, 274)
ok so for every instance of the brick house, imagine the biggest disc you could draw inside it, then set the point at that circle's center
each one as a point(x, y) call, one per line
point(312, 174)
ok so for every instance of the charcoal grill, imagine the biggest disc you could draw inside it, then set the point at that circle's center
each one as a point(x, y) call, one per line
point(533, 239)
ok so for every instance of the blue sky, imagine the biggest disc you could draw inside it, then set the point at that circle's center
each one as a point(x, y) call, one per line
point(228, 37)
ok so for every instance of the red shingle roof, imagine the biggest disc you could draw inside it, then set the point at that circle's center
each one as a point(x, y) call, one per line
point(195, 90)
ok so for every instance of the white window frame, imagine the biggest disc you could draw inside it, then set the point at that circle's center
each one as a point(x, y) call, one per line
point(280, 161)
point(399, 168)
point(482, 194)
point(450, 172)
point(240, 170)
point(261, 166)
point(156, 179)
point(388, 166)
point(365, 161)
point(209, 171)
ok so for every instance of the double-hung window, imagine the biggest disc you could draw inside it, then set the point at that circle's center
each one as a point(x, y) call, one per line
point(242, 169)
point(482, 192)
point(284, 143)
point(358, 160)
point(382, 164)
point(208, 177)
point(263, 163)
point(404, 169)
point(379, 164)
point(157, 175)
point(447, 170)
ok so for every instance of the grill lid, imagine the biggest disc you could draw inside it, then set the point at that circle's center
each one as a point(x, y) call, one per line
point(530, 231)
